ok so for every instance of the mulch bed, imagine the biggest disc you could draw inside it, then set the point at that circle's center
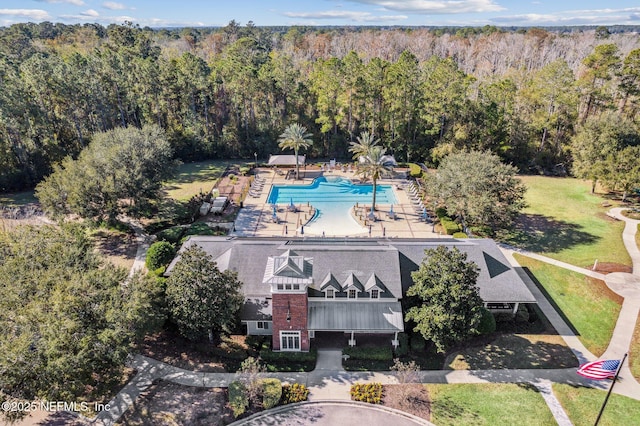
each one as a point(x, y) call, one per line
point(410, 398)
point(172, 404)
point(608, 267)
point(169, 347)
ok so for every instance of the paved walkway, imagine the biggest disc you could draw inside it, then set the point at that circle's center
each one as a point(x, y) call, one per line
point(329, 382)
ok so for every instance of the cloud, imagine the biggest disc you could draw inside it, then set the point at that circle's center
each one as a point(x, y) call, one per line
point(34, 14)
point(75, 2)
point(442, 7)
point(345, 14)
point(573, 17)
point(112, 5)
point(90, 13)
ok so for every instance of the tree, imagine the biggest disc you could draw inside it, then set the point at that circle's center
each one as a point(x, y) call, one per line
point(202, 299)
point(449, 309)
point(407, 375)
point(68, 322)
point(622, 170)
point(249, 375)
point(121, 170)
point(371, 162)
point(596, 142)
point(294, 137)
point(479, 189)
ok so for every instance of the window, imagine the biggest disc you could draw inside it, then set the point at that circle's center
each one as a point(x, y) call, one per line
point(352, 294)
point(296, 286)
point(280, 287)
point(287, 286)
point(289, 340)
point(375, 293)
point(329, 293)
point(262, 325)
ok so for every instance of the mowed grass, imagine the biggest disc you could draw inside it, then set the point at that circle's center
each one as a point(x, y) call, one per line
point(193, 178)
point(18, 199)
point(586, 303)
point(565, 221)
point(634, 351)
point(583, 404)
point(487, 404)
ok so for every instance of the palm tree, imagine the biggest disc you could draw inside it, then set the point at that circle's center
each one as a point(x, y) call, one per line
point(361, 148)
point(295, 137)
point(371, 165)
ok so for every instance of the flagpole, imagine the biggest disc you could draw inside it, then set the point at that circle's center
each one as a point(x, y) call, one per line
point(604, 404)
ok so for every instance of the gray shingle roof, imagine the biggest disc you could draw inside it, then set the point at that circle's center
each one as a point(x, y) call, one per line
point(392, 261)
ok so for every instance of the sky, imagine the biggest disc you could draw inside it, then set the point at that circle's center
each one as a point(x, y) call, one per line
point(193, 13)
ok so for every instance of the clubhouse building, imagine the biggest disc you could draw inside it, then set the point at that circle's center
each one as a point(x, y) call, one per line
point(295, 289)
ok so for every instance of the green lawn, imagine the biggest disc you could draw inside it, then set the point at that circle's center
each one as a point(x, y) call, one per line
point(193, 178)
point(586, 303)
point(565, 221)
point(18, 199)
point(488, 404)
point(583, 404)
point(634, 351)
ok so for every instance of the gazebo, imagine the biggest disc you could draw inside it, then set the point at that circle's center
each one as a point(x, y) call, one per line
point(286, 160)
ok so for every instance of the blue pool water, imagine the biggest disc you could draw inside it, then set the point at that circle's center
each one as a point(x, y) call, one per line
point(332, 197)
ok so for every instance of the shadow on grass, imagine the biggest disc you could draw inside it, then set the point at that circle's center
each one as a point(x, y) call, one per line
point(192, 172)
point(541, 234)
point(516, 352)
point(550, 299)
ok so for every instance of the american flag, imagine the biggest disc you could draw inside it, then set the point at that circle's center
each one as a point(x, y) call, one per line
point(598, 370)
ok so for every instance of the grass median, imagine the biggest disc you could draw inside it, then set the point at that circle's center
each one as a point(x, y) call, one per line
point(587, 304)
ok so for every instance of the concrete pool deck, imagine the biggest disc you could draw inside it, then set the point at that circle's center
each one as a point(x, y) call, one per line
point(255, 219)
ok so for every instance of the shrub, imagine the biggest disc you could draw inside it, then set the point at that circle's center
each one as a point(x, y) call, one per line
point(238, 399)
point(171, 235)
point(370, 392)
point(450, 227)
point(441, 212)
point(418, 344)
point(289, 361)
point(487, 322)
point(373, 354)
point(254, 342)
point(403, 347)
point(459, 235)
point(414, 170)
point(294, 393)
point(271, 392)
point(159, 255)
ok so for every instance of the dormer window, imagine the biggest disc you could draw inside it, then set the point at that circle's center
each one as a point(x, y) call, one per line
point(330, 293)
point(352, 293)
point(375, 293)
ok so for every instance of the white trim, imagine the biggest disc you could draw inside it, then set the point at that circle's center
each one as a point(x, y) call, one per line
point(292, 339)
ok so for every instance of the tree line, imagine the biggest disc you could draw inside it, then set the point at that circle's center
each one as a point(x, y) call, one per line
point(229, 92)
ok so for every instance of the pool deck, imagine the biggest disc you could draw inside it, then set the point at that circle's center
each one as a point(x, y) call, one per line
point(256, 218)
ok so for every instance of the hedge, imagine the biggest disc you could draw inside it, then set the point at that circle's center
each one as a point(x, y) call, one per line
point(418, 344)
point(172, 234)
point(373, 354)
point(450, 227)
point(294, 393)
point(414, 170)
point(268, 355)
point(238, 399)
point(159, 254)
point(403, 347)
point(271, 392)
point(459, 235)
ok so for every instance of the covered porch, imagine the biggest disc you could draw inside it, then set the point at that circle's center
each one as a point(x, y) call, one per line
point(355, 320)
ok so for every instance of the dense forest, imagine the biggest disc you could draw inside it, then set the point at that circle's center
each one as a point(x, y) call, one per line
point(525, 95)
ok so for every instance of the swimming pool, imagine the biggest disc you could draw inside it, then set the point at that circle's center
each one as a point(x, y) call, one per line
point(332, 197)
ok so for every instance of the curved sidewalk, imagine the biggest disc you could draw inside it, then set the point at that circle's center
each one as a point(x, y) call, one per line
point(626, 285)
